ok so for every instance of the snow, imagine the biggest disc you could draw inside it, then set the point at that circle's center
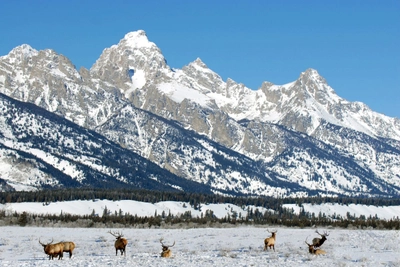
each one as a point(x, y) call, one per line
point(238, 246)
point(225, 246)
point(383, 212)
point(179, 92)
point(138, 39)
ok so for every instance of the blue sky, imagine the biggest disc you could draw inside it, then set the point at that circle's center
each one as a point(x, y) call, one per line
point(354, 45)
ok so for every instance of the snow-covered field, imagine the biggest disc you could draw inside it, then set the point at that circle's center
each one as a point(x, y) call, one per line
point(241, 246)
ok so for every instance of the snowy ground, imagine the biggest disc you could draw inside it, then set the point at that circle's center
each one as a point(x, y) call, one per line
point(241, 246)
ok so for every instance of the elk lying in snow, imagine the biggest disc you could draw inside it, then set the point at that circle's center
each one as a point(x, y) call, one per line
point(317, 242)
point(53, 250)
point(313, 250)
point(120, 243)
point(69, 247)
point(166, 252)
point(270, 241)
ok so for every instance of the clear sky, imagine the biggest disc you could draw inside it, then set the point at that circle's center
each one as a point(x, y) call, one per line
point(353, 44)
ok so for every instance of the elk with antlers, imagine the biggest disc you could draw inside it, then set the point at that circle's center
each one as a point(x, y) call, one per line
point(313, 250)
point(317, 242)
point(120, 243)
point(166, 252)
point(53, 250)
point(270, 241)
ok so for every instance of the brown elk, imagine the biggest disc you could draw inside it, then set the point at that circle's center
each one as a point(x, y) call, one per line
point(120, 243)
point(317, 242)
point(53, 250)
point(69, 247)
point(313, 250)
point(270, 241)
point(166, 252)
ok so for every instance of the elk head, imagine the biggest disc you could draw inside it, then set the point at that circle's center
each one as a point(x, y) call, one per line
point(272, 232)
point(45, 245)
point(166, 252)
point(117, 235)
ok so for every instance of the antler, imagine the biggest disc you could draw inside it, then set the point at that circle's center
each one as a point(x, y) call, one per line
point(162, 244)
point(273, 232)
point(116, 234)
point(306, 241)
point(324, 234)
point(45, 244)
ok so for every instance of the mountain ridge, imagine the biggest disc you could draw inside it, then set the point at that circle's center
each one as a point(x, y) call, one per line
point(133, 75)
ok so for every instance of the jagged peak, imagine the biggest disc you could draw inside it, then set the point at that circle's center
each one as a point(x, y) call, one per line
point(25, 50)
point(137, 39)
point(200, 63)
point(312, 74)
point(202, 67)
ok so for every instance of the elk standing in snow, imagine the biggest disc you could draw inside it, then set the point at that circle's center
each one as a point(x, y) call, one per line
point(270, 241)
point(313, 250)
point(53, 250)
point(120, 243)
point(166, 252)
point(317, 242)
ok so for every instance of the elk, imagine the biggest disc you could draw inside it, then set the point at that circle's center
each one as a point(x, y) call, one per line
point(317, 242)
point(69, 247)
point(313, 250)
point(53, 249)
point(120, 243)
point(270, 241)
point(166, 252)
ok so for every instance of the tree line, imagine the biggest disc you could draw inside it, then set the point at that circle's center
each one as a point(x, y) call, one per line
point(206, 219)
point(55, 195)
point(276, 215)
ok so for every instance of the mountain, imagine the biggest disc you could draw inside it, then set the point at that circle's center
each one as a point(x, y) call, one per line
point(41, 149)
point(295, 139)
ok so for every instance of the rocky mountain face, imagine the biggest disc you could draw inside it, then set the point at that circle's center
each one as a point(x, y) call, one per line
point(280, 140)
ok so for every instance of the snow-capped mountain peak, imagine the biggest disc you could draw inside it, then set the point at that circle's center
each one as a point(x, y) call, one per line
point(131, 63)
point(25, 50)
point(20, 53)
point(198, 62)
point(137, 39)
point(312, 74)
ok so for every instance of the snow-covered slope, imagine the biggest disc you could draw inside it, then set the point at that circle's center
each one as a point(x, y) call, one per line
point(40, 149)
point(142, 209)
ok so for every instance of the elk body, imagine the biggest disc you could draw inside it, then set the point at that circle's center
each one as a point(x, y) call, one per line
point(166, 252)
point(270, 241)
point(120, 243)
point(317, 242)
point(53, 250)
point(69, 247)
point(313, 250)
